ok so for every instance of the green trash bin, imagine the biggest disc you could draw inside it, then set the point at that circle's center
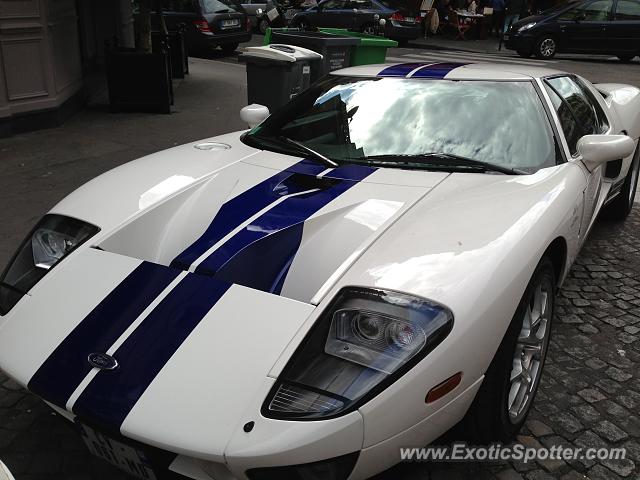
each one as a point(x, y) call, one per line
point(372, 49)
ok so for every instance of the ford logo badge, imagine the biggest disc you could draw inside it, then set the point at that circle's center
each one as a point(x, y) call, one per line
point(102, 361)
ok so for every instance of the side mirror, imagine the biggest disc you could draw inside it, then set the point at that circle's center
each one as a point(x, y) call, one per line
point(254, 114)
point(598, 149)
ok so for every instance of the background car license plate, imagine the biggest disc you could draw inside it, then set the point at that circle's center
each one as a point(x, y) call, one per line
point(126, 458)
point(230, 23)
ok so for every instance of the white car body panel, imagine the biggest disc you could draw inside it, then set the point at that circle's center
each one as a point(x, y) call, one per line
point(468, 241)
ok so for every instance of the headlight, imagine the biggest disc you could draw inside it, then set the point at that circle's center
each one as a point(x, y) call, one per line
point(48, 243)
point(526, 27)
point(364, 341)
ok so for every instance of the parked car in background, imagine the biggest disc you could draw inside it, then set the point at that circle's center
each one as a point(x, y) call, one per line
point(255, 10)
point(402, 24)
point(609, 27)
point(209, 23)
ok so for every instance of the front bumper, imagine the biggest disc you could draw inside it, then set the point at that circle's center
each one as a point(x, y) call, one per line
point(212, 40)
point(519, 41)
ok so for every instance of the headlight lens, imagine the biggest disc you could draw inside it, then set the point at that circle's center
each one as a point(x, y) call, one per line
point(364, 341)
point(526, 27)
point(54, 237)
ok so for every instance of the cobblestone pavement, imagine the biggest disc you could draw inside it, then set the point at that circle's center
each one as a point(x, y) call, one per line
point(589, 395)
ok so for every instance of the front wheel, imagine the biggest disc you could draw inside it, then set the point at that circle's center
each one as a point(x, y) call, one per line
point(621, 206)
point(511, 381)
point(262, 26)
point(369, 29)
point(546, 48)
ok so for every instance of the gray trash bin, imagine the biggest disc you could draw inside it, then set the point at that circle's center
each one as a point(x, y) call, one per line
point(276, 73)
point(335, 49)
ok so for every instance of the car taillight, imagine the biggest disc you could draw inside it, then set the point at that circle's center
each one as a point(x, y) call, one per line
point(398, 17)
point(418, 19)
point(202, 25)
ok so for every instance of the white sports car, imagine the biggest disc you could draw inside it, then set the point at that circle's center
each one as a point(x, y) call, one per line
point(365, 268)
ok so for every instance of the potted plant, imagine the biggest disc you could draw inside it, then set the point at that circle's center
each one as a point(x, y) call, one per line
point(139, 79)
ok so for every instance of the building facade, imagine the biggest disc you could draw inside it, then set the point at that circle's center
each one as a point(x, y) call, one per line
point(48, 48)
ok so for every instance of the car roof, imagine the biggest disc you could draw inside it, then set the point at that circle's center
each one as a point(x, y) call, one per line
point(450, 71)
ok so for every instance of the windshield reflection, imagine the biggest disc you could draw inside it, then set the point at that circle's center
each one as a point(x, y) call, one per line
point(346, 118)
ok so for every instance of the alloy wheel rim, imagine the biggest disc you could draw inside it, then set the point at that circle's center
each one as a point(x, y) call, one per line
point(547, 47)
point(530, 351)
point(369, 30)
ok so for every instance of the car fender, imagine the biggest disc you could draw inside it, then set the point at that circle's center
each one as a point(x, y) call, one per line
point(472, 244)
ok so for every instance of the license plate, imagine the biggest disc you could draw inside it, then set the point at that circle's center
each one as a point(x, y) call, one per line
point(126, 458)
point(230, 23)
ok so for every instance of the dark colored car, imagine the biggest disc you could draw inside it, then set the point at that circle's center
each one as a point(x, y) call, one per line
point(209, 23)
point(402, 24)
point(608, 27)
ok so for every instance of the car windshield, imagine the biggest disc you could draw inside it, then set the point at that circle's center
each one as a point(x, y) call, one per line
point(221, 6)
point(408, 122)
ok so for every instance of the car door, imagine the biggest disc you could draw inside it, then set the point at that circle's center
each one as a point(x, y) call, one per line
point(624, 30)
point(580, 114)
point(584, 27)
point(334, 13)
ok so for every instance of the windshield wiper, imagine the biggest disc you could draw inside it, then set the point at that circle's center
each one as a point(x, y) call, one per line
point(444, 160)
point(316, 155)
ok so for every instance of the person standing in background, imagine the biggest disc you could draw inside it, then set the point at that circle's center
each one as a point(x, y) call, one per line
point(497, 19)
point(514, 9)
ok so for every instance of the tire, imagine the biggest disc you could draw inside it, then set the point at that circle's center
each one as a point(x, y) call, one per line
point(626, 58)
point(303, 25)
point(621, 206)
point(546, 47)
point(491, 417)
point(229, 47)
point(263, 24)
point(524, 53)
point(368, 28)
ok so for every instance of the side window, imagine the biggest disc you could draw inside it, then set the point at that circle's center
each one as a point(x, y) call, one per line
point(627, 10)
point(334, 5)
point(602, 123)
point(569, 15)
point(361, 4)
point(596, 11)
point(572, 131)
point(578, 109)
point(182, 6)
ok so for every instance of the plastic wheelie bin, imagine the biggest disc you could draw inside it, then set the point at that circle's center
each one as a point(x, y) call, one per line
point(371, 49)
point(335, 49)
point(277, 73)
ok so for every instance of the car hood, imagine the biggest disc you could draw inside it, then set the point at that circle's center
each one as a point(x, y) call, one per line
point(206, 266)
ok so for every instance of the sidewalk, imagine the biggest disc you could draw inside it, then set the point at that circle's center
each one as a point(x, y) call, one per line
point(442, 42)
point(38, 169)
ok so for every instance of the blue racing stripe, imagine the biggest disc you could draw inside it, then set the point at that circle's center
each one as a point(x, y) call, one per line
point(111, 395)
point(401, 70)
point(232, 214)
point(66, 367)
point(291, 212)
point(438, 70)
